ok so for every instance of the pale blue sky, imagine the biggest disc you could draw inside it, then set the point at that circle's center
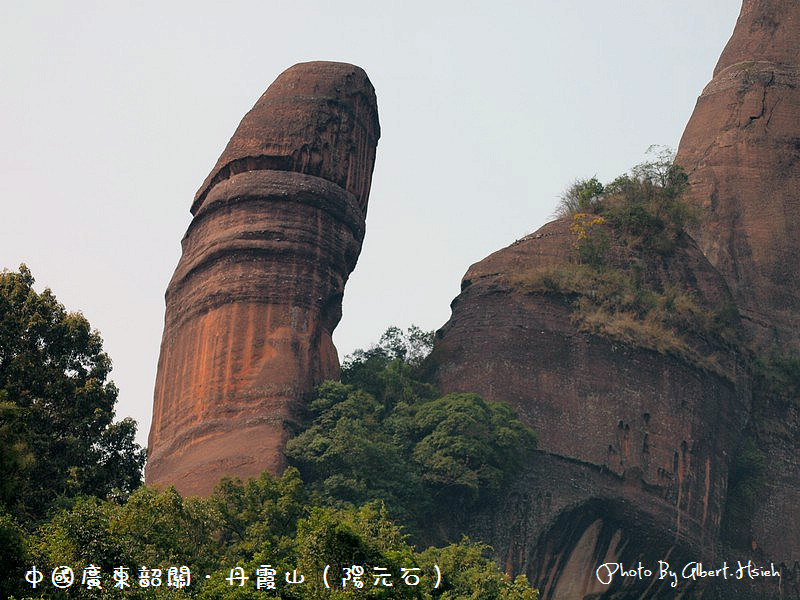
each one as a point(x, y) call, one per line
point(112, 114)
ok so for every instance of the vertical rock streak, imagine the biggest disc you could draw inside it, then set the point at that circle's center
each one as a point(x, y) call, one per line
point(741, 149)
point(635, 446)
point(277, 229)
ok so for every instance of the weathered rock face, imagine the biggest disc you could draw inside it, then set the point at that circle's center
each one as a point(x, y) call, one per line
point(774, 529)
point(277, 229)
point(634, 445)
point(741, 149)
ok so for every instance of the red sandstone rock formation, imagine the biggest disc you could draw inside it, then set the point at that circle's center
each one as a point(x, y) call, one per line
point(634, 444)
point(277, 229)
point(741, 149)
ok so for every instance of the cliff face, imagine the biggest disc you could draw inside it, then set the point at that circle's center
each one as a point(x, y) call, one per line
point(277, 229)
point(637, 440)
point(741, 149)
point(634, 444)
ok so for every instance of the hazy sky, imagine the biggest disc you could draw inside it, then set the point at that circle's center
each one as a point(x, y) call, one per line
point(112, 114)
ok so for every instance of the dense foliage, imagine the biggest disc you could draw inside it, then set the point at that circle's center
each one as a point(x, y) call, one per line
point(384, 434)
point(266, 521)
point(643, 209)
point(580, 197)
point(58, 439)
point(57, 435)
point(381, 443)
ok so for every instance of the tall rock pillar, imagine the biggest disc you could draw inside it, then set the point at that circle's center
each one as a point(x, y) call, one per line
point(741, 149)
point(277, 229)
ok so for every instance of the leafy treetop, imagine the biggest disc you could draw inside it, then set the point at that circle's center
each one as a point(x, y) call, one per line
point(59, 438)
point(384, 433)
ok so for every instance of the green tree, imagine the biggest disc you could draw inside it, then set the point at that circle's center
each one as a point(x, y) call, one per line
point(258, 519)
point(364, 537)
point(390, 369)
point(12, 555)
point(16, 458)
point(350, 455)
point(644, 207)
point(469, 448)
point(387, 435)
point(264, 521)
point(468, 574)
point(56, 406)
point(647, 205)
point(410, 346)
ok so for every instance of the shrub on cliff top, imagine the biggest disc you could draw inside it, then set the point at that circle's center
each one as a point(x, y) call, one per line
point(643, 209)
point(624, 234)
point(581, 196)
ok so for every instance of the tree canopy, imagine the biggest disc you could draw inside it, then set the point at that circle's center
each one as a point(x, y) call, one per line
point(383, 433)
point(382, 451)
point(265, 521)
point(58, 437)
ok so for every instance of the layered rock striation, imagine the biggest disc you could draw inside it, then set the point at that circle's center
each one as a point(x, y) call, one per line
point(741, 150)
point(639, 439)
point(634, 443)
point(277, 228)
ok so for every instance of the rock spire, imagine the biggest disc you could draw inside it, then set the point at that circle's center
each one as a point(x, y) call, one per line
point(639, 444)
point(741, 149)
point(277, 229)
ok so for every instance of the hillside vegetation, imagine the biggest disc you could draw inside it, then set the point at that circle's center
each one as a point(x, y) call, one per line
point(625, 235)
point(383, 454)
